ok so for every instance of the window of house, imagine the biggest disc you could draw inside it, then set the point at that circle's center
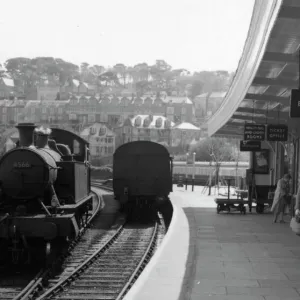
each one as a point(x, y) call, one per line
point(170, 110)
point(102, 131)
point(4, 110)
point(183, 110)
point(97, 149)
point(91, 118)
point(44, 110)
point(72, 117)
point(60, 110)
point(93, 131)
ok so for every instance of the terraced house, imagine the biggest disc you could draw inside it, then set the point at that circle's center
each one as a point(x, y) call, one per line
point(100, 138)
point(144, 128)
point(86, 110)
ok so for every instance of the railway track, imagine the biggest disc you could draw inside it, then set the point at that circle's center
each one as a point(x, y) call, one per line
point(111, 270)
point(106, 267)
point(101, 266)
point(23, 285)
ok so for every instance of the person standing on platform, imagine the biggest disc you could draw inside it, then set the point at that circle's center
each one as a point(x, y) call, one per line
point(280, 195)
point(297, 205)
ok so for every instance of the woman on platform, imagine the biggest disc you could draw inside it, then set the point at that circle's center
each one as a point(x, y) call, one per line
point(280, 195)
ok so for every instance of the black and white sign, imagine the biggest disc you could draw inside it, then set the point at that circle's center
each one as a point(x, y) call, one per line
point(295, 104)
point(277, 132)
point(254, 132)
point(250, 146)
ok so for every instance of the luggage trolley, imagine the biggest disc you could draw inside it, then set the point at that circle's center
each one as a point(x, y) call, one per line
point(227, 204)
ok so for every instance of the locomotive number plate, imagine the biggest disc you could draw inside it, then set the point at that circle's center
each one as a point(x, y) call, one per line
point(21, 165)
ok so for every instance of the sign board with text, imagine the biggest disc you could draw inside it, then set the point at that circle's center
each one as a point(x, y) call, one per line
point(254, 132)
point(277, 133)
point(250, 146)
point(295, 104)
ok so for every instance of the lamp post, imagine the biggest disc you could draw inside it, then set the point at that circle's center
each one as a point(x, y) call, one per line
point(209, 182)
point(186, 171)
point(193, 178)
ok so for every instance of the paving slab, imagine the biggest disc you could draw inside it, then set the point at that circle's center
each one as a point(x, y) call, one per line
point(222, 256)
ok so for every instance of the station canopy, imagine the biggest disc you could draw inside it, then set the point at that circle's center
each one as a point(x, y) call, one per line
point(267, 71)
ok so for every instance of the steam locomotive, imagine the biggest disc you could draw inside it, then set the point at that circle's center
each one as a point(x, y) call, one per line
point(142, 175)
point(45, 193)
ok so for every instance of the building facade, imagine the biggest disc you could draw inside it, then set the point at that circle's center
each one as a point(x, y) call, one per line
point(144, 128)
point(7, 87)
point(86, 110)
point(207, 104)
point(101, 140)
point(184, 134)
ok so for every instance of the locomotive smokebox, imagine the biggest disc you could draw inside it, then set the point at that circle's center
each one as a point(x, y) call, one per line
point(26, 134)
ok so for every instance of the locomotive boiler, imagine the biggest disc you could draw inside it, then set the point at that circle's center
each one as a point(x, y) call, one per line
point(142, 174)
point(45, 192)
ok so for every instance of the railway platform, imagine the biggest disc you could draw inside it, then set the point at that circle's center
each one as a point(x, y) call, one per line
point(223, 256)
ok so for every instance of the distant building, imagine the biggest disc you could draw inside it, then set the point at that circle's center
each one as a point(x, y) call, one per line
point(207, 104)
point(101, 140)
point(86, 110)
point(47, 92)
point(10, 111)
point(144, 128)
point(7, 87)
point(38, 111)
point(11, 141)
point(184, 134)
point(179, 109)
point(78, 87)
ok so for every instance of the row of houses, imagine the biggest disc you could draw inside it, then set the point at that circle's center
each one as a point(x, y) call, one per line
point(104, 140)
point(88, 109)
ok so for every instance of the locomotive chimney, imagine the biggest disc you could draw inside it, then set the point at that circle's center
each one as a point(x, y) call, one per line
point(26, 134)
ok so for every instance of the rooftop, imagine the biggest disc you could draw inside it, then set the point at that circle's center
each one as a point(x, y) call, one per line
point(186, 126)
point(152, 123)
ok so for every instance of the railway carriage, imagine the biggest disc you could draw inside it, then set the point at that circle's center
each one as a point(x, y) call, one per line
point(142, 173)
point(205, 169)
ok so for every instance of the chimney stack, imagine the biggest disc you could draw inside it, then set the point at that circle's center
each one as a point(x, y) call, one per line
point(26, 134)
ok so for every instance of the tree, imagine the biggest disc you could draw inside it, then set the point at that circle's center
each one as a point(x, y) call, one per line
point(109, 78)
point(121, 72)
point(158, 73)
point(2, 72)
point(196, 88)
point(214, 150)
point(142, 87)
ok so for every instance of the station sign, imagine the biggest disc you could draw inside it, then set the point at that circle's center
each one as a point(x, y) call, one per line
point(251, 146)
point(254, 132)
point(277, 133)
point(295, 104)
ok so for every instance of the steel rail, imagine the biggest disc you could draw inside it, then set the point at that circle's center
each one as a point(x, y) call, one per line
point(35, 284)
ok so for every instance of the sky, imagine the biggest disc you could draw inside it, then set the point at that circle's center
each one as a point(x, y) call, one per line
point(192, 34)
